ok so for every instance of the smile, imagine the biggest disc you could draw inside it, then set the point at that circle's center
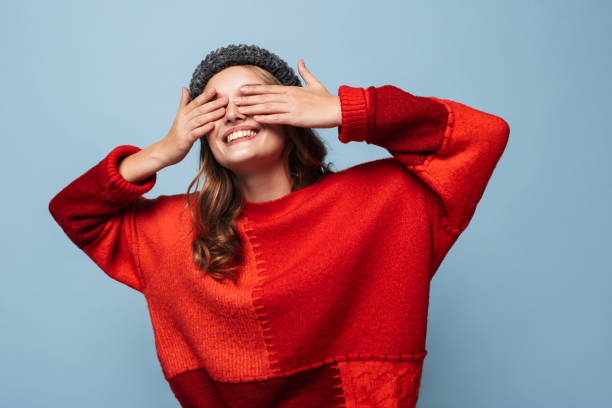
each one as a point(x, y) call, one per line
point(240, 136)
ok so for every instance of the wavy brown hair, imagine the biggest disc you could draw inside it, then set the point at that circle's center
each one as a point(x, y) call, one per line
point(216, 247)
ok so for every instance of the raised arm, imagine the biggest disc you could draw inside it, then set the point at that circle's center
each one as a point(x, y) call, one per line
point(96, 211)
point(451, 147)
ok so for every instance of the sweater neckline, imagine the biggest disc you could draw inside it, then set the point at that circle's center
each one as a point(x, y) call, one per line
point(279, 206)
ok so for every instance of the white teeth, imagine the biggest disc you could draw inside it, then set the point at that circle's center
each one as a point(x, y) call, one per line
point(239, 134)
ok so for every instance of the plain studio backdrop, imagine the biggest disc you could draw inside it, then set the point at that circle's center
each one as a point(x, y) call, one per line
point(520, 308)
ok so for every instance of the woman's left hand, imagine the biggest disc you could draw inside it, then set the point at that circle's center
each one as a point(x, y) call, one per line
point(311, 106)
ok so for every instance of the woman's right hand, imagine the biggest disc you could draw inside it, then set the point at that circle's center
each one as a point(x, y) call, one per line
point(192, 121)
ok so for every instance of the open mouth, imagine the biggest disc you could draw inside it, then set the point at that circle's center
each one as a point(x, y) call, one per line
point(240, 135)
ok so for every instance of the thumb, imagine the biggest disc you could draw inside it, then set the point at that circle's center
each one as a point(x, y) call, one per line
point(184, 97)
point(308, 77)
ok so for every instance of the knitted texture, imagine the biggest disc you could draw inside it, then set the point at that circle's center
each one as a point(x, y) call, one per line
point(330, 306)
point(240, 54)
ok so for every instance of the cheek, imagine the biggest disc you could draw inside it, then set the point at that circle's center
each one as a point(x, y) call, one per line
point(277, 134)
point(275, 141)
point(210, 140)
point(283, 140)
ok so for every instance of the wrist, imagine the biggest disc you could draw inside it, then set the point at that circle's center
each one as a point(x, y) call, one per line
point(157, 155)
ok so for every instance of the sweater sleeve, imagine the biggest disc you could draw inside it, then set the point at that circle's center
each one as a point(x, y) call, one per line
point(449, 146)
point(97, 212)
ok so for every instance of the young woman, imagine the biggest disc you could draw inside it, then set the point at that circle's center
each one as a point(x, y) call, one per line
point(287, 283)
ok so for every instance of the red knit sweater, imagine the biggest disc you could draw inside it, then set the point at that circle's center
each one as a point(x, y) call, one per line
point(330, 306)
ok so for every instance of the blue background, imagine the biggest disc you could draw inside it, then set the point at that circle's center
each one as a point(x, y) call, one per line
point(520, 308)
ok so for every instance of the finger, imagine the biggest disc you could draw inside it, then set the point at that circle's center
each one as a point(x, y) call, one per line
point(207, 107)
point(209, 116)
point(253, 99)
point(202, 130)
point(184, 98)
point(277, 118)
point(261, 88)
point(200, 99)
point(306, 74)
point(271, 107)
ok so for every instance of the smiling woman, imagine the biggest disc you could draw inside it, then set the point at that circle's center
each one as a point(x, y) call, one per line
point(268, 163)
point(259, 162)
point(329, 271)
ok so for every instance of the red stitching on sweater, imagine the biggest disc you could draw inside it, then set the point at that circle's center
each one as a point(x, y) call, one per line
point(339, 397)
point(332, 360)
point(258, 302)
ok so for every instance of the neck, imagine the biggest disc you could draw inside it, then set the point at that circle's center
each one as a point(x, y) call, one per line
point(266, 184)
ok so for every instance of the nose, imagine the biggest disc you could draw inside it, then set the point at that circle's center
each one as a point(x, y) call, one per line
point(232, 113)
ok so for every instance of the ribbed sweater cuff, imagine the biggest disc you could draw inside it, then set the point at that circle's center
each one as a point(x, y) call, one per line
point(118, 187)
point(354, 114)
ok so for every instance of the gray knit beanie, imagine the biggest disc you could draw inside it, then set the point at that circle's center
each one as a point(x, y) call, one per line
point(240, 54)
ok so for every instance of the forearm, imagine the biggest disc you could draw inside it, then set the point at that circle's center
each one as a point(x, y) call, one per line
point(142, 164)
